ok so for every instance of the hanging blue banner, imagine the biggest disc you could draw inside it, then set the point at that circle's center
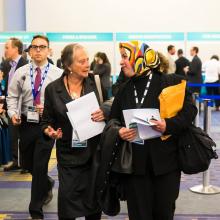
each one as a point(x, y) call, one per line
point(203, 36)
point(172, 36)
point(79, 37)
point(25, 37)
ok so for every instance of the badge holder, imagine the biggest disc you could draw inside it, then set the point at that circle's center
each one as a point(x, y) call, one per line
point(137, 140)
point(32, 115)
point(75, 141)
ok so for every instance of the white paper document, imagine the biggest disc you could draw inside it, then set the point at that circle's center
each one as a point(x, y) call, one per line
point(79, 113)
point(142, 117)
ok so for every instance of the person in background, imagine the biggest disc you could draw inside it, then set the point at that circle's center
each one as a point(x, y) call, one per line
point(59, 64)
point(5, 150)
point(181, 63)
point(102, 67)
point(13, 55)
point(29, 82)
point(211, 69)
point(171, 52)
point(164, 63)
point(74, 158)
point(153, 187)
point(194, 70)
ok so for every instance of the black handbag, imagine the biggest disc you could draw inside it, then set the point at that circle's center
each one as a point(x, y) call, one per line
point(195, 150)
point(123, 161)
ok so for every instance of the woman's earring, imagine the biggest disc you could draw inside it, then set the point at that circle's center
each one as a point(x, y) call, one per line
point(71, 72)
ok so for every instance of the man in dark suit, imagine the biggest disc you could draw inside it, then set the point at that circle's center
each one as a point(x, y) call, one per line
point(13, 61)
point(194, 71)
point(181, 63)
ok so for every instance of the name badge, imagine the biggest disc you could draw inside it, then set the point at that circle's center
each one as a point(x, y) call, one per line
point(77, 143)
point(32, 115)
point(137, 140)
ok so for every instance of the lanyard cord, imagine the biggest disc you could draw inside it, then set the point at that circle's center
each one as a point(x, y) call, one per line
point(35, 93)
point(139, 104)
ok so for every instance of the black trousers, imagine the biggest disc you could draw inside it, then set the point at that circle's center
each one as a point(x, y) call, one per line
point(214, 91)
point(14, 136)
point(35, 155)
point(41, 182)
point(152, 197)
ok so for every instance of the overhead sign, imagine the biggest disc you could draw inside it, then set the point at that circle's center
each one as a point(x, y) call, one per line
point(175, 36)
point(79, 37)
point(203, 36)
point(25, 37)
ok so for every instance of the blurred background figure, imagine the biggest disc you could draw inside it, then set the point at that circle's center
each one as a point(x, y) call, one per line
point(164, 63)
point(171, 52)
point(194, 70)
point(211, 69)
point(5, 150)
point(13, 57)
point(181, 63)
point(102, 67)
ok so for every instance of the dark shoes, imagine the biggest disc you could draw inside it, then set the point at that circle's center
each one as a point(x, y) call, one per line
point(217, 108)
point(23, 171)
point(12, 167)
point(49, 194)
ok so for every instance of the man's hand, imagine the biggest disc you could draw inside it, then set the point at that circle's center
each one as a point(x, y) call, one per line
point(15, 120)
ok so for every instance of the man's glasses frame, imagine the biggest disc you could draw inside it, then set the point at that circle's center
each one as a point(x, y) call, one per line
point(40, 47)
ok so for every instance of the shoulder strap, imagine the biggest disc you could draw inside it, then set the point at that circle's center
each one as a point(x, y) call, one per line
point(98, 86)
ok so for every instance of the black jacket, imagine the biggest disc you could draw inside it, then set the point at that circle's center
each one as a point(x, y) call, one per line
point(56, 98)
point(180, 64)
point(195, 70)
point(156, 155)
point(108, 184)
point(21, 63)
point(104, 71)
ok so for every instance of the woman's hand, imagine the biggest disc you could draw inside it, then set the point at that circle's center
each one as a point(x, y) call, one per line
point(54, 134)
point(159, 125)
point(127, 134)
point(98, 116)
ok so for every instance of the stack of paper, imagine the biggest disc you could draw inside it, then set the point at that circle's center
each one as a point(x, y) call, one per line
point(79, 113)
point(142, 118)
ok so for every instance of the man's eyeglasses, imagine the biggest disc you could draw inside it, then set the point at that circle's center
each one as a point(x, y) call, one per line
point(40, 47)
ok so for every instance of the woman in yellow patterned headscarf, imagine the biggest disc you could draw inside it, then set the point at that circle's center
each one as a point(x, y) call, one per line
point(140, 56)
point(152, 187)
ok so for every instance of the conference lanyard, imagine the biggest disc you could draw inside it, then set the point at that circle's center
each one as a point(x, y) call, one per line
point(139, 104)
point(35, 93)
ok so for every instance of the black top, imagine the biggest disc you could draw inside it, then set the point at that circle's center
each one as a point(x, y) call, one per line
point(56, 98)
point(180, 64)
point(156, 155)
point(195, 70)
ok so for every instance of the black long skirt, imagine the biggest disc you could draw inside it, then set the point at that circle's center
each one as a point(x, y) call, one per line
point(74, 188)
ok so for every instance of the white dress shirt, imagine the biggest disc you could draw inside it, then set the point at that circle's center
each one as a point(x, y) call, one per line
point(20, 90)
point(212, 70)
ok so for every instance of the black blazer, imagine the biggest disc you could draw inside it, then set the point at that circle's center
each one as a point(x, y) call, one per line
point(56, 98)
point(180, 64)
point(195, 70)
point(157, 156)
